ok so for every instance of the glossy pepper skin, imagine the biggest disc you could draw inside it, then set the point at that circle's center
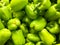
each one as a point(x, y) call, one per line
point(29, 43)
point(1, 25)
point(52, 13)
point(17, 5)
point(4, 36)
point(13, 24)
point(33, 37)
point(31, 11)
point(53, 27)
point(5, 13)
point(38, 24)
point(18, 37)
point(46, 37)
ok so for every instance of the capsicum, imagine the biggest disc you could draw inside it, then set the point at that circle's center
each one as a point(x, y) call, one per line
point(53, 13)
point(4, 35)
point(33, 37)
point(18, 37)
point(31, 11)
point(17, 5)
point(5, 13)
point(46, 37)
point(53, 27)
point(13, 24)
point(38, 24)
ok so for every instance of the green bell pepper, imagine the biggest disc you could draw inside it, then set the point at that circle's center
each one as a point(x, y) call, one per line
point(5, 13)
point(45, 4)
point(17, 5)
point(4, 36)
point(13, 24)
point(53, 27)
point(31, 11)
point(33, 37)
point(38, 24)
point(53, 13)
point(46, 37)
point(18, 37)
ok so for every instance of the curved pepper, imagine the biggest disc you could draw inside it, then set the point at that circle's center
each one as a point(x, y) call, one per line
point(5, 13)
point(29, 43)
point(53, 13)
point(53, 27)
point(18, 37)
point(13, 24)
point(4, 36)
point(46, 37)
point(38, 24)
point(31, 11)
point(17, 5)
point(33, 37)
point(44, 5)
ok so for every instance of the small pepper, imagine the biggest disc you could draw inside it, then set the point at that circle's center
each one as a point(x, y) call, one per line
point(4, 36)
point(38, 24)
point(5, 13)
point(46, 37)
point(33, 37)
point(53, 27)
point(18, 37)
point(44, 5)
point(13, 24)
point(26, 20)
point(31, 11)
point(17, 5)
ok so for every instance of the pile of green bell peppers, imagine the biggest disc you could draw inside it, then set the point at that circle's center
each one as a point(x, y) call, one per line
point(29, 22)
